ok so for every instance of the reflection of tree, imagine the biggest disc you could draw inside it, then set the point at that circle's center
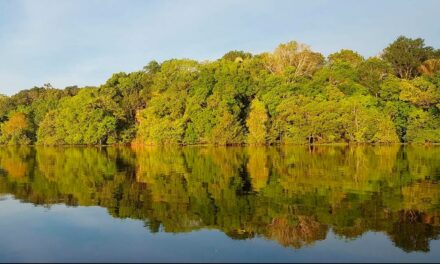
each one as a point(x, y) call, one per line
point(289, 194)
point(258, 168)
point(411, 232)
point(303, 231)
point(14, 161)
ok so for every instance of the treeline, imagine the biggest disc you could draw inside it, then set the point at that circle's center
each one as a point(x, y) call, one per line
point(290, 95)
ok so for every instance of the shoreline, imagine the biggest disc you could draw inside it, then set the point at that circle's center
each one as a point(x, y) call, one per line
point(136, 146)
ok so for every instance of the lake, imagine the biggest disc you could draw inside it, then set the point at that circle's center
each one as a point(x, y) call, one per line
point(292, 203)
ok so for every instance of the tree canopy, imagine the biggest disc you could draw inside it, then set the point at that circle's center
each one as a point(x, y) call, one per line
point(290, 95)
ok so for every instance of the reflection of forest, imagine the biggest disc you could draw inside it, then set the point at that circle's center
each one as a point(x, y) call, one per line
point(289, 194)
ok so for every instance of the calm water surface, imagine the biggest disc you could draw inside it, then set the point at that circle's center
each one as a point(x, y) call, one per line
point(220, 204)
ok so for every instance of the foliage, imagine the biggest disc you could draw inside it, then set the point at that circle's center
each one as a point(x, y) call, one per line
point(290, 95)
point(257, 123)
point(430, 67)
point(295, 58)
point(86, 118)
point(406, 55)
point(16, 130)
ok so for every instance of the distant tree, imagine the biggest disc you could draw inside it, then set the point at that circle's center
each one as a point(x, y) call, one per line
point(420, 92)
point(16, 130)
point(346, 56)
point(152, 67)
point(86, 118)
point(386, 131)
point(372, 73)
point(48, 86)
point(429, 67)
point(423, 127)
point(5, 106)
point(236, 54)
point(71, 90)
point(257, 123)
point(227, 131)
point(406, 55)
point(299, 57)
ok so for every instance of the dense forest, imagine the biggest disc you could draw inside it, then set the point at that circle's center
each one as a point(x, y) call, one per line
point(292, 95)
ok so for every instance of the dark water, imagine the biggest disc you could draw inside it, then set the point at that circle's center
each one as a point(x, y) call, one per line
point(220, 204)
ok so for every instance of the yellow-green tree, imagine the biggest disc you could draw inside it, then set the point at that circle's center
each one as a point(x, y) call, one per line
point(420, 92)
point(228, 131)
point(257, 123)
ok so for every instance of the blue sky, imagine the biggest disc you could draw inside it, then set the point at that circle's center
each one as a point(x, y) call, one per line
point(82, 42)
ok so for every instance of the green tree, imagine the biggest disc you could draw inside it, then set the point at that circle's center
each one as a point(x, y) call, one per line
point(423, 127)
point(420, 92)
point(228, 131)
point(406, 55)
point(85, 118)
point(257, 123)
point(372, 73)
point(349, 57)
point(5, 107)
point(236, 55)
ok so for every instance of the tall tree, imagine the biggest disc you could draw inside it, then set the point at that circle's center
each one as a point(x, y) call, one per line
point(406, 55)
point(302, 60)
point(257, 123)
point(349, 57)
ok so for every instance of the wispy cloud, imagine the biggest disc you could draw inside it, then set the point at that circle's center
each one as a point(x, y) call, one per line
point(82, 42)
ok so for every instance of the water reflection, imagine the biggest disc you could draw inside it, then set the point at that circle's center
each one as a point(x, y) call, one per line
point(292, 195)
